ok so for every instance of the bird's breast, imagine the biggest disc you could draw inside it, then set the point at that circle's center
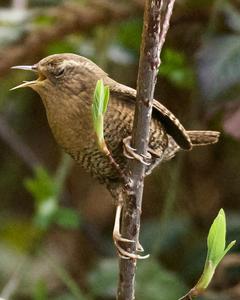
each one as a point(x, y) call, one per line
point(72, 126)
point(69, 118)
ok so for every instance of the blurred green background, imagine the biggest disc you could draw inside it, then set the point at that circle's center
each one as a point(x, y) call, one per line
point(56, 222)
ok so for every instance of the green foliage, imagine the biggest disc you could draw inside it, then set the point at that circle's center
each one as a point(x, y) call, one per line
point(65, 46)
point(103, 279)
point(129, 34)
point(65, 296)
point(99, 108)
point(19, 235)
point(157, 283)
point(154, 282)
point(216, 244)
point(217, 239)
point(165, 237)
point(176, 69)
point(67, 218)
point(44, 20)
point(40, 291)
point(45, 191)
point(42, 186)
point(45, 2)
point(101, 97)
point(178, 242)
point(68, 281)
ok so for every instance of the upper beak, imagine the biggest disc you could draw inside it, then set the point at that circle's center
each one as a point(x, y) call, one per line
point(27, 68)
point(32, 68)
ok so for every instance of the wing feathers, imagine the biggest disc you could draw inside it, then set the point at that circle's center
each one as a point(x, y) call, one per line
point(171, 124)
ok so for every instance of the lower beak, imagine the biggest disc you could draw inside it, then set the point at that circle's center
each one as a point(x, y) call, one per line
point(24, 84)
point(32, 68)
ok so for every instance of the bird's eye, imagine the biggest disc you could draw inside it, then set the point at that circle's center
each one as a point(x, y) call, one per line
point(59, 73)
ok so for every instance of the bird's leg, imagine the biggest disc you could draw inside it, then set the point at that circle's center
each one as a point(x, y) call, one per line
point(116, 229)
point(117, 167)
point(117, 237)
point(130, 152)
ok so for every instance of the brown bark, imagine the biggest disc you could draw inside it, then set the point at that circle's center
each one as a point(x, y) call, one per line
point(155, 27)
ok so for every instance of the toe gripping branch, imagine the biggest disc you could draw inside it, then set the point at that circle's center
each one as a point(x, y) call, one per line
point(117, 237)
point(130, 152)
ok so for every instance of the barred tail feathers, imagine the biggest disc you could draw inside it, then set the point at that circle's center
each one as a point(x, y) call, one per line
point(197, 137)
point(203, 138)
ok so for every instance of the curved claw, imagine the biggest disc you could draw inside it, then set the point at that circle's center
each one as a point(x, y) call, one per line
point(139, 247)
point(127, 255)
point(119, 238)
point(130, 153)
point(148, 156)
point(126, 154)
point(123, 253)
point(127, 143)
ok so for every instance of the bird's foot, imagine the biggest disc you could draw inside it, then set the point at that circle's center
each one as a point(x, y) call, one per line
point(117, 238)
point(130, 152)
point(125, 254)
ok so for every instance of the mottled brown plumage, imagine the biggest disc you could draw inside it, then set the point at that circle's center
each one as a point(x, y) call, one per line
point(66, 85)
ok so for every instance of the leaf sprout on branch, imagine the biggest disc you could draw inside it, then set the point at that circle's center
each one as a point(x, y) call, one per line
point(99, 108)
point(216, 250)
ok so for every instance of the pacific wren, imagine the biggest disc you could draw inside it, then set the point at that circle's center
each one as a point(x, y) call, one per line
point(66, 84)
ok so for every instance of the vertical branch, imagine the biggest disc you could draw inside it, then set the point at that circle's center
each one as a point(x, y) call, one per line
point(155, 27)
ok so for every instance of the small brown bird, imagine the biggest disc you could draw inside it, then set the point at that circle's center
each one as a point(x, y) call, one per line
point(66, 84)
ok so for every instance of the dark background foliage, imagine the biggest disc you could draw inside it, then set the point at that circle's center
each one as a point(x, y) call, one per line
point(56, 222)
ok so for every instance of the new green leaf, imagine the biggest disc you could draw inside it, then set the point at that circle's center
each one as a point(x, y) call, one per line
point(99, 108)
point(216, 241)
point(216, 250)
point(216, 244)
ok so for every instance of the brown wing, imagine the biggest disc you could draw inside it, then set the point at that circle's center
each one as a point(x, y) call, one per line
point(171, 124)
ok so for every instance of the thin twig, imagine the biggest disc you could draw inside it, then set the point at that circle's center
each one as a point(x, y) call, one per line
point(152, 41)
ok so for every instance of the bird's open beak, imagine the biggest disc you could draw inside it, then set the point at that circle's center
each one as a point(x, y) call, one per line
point(32, 68)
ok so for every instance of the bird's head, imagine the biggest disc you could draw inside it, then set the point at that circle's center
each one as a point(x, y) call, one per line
point(62, 73)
